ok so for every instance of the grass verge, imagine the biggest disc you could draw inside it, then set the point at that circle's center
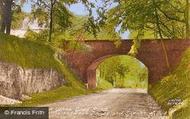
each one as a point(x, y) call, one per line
point(175, 86)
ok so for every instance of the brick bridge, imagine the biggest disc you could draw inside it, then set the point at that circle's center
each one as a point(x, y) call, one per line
point(150, 53)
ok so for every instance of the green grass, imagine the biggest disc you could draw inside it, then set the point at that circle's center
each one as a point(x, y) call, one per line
point(26, 53)
point(176, 85)
point(104, 84)
point(58, 94)
point(122, 71)
point(29, 54)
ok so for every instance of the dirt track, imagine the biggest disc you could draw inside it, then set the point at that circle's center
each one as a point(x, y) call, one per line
point(110, 104)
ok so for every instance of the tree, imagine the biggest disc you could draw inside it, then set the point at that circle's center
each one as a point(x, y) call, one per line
point(42, 8)
point(164, 18)
point(6, 7)
point(52, 3)
point(142, 15)
point(6, 15)
point(18, 17)
point(46, 6)
point(53, 6)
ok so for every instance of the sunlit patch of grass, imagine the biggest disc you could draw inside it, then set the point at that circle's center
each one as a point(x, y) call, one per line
point(26, 53)
point(61, 93)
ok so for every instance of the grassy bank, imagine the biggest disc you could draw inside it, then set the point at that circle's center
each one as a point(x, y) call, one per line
point(175, 86)
point(28, 54)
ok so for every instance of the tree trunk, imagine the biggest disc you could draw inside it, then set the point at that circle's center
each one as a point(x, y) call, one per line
point(160, 34)
point(6, 16)
point(9, 16)
point(51, 21)
point(3, 23)
point(2, 6)
point(187, 19)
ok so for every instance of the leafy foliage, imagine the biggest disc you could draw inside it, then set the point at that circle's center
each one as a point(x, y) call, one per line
point(144, 15)
point(18, 17)
point(75, 34)
point(38, 37)
point(123, 71)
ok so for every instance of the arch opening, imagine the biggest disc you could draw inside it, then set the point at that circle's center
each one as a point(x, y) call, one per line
point(117, 71)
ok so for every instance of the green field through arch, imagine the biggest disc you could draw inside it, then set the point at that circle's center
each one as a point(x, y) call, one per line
point(122, 71)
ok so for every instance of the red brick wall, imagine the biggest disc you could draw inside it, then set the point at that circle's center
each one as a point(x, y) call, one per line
point(150, 53)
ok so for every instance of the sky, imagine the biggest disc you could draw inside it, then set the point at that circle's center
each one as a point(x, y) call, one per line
point(78, 9)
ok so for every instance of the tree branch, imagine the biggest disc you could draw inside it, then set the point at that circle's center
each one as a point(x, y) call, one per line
point(169, 17)
point(178, 10)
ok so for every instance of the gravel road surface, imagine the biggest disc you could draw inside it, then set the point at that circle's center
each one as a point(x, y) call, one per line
point(110, 104)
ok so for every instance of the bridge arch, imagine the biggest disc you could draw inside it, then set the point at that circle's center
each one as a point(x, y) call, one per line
point(91, 73)
point(150, 53)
